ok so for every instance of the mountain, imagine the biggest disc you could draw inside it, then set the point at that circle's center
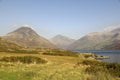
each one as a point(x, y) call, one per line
point(62, 41)
point(27, 37)
point(113, 46)
point(8, 46)
point(109, 38)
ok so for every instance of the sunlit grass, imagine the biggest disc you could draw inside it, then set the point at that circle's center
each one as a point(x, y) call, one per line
point(56, 68)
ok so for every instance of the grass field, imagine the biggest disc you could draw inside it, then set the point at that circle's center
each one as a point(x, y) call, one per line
point(56, 68)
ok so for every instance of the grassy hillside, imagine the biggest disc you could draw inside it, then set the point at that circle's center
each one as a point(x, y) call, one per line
point(8, 46)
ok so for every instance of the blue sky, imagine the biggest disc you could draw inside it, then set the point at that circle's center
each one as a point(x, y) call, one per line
point(72, 18)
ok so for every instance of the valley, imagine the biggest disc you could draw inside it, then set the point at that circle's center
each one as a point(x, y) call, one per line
point(60, 40)
point(24, 55)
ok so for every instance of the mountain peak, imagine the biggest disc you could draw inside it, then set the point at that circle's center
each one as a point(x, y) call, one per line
point(106, 39)
point(60, 36)
point(62, 41)
point(26, 25)
point(111, 28)
point(24, 31)
point(26, 36)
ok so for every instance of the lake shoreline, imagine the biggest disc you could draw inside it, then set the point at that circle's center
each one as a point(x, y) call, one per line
point(112, 56)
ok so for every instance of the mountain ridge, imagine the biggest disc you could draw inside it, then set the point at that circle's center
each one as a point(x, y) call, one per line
point(6, 45)
point(27, 37)
point(61, 41)
point(98, 40)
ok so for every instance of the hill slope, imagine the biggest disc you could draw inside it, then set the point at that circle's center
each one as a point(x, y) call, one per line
point(62, 41)
point(27, 37)
point(8, 46)
point(107, 39)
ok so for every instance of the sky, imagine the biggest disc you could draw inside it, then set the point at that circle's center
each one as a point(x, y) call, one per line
point(72, 18)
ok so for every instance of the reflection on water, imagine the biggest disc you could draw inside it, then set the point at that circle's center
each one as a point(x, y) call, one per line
point(113, 54)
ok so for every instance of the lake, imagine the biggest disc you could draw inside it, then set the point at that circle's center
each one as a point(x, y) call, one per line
point(113, 54)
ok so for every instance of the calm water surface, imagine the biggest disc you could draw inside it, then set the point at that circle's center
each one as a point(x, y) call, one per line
point(113, 54)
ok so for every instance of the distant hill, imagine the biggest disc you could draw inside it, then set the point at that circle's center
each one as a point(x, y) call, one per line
point(62, 41)
point(27, 37)
point(8, 46)
point(109, 38)
point(114, 46)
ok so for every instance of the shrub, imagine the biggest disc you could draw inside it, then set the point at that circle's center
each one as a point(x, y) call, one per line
point(88, 55)
point(114, 69)
point(61, 53)
point(98, 67)
point(23, 51)
point(93, 63)
point(23, 59)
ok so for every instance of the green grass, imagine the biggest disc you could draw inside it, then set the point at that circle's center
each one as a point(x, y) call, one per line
point(56, 68)
point(16, 75)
